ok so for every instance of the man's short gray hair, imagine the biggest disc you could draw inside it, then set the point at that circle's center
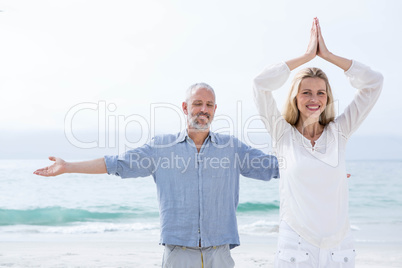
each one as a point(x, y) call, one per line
point(196, 86)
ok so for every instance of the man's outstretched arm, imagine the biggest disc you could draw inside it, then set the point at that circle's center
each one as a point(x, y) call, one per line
point(96, 166)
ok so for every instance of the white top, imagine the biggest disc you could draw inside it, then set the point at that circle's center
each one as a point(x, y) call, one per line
point(313, 186)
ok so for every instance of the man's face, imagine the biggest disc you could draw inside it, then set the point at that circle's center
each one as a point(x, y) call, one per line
point(200, 109)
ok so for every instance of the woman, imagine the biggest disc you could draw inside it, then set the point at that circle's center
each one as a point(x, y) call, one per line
point(314, 228)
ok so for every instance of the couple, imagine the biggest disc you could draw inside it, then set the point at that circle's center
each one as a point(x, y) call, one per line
point(198, 201)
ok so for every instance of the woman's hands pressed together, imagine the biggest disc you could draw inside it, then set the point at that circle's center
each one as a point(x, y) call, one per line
point(317, 47)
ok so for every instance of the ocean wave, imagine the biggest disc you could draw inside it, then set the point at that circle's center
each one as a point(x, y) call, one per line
point(151, 228)
point(50, 216)
point(260, 227)
point(258, 207)
point(354, 227)
point(104, 228)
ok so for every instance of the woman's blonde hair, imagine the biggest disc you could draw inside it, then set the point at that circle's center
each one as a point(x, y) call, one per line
point(291, 112)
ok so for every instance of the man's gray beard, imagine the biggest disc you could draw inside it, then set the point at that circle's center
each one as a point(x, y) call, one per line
point(193, 123)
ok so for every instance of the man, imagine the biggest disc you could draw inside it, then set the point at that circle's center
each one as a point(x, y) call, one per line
point(197, 176)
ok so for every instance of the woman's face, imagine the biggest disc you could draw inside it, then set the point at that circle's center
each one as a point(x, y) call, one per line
point(311, 98)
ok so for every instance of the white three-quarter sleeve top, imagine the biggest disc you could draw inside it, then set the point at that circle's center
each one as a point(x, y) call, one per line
point(313, 184)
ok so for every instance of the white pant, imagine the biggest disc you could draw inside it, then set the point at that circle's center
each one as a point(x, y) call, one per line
point(186, 257)
point(294, 251)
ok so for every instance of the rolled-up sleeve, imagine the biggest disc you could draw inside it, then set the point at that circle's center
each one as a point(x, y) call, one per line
point(256, 164)
point(111, 164)
point(139, 162)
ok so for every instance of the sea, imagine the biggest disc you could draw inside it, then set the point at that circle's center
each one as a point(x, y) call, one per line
point(105, 206)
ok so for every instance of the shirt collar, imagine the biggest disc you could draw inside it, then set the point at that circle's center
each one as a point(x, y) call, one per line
point(212, 135)
point(184, 134)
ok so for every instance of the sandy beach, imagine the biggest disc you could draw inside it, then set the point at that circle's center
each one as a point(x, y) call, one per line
point(87, 251)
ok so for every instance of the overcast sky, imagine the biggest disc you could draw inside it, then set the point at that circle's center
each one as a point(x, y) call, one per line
point(73, 60)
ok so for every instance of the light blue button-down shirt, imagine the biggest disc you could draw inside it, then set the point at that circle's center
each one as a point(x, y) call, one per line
point(198, 192)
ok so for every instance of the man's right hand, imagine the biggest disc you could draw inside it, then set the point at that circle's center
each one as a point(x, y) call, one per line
point(59, 167)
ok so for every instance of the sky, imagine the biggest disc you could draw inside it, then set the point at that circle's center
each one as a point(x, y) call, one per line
point(77, 77)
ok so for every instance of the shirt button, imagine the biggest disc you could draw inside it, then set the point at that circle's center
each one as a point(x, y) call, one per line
point(346, 259)
point(292, 259)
